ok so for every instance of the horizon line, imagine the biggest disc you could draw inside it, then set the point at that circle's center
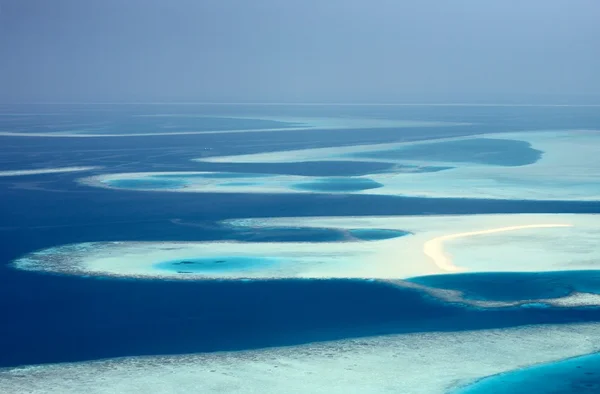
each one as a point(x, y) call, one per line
point(416, 104)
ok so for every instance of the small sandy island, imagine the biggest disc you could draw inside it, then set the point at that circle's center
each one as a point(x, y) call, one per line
point(434, 248)
point(46, 171)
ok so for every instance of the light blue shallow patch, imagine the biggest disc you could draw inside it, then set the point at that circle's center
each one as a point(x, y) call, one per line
point(238, 184)
point(374, 234)
point(146, 183)
point(217, 264)
point(333, 185)
point(489, 151)
point(213, 175)
point(574, 375)
point(426, 169)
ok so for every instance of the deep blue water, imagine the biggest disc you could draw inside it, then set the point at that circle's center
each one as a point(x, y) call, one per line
point(515, 286)
point(65, 319)
point(311, 168)
point(288, 234)
point(113, 122)
point(50, 318)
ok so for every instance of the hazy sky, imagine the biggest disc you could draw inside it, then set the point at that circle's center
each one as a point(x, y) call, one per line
point(297, 50)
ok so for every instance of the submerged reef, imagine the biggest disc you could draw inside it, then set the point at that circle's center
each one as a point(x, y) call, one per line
point(489, 303)
point(420, 363)
point(519, 166)
point(383, 248)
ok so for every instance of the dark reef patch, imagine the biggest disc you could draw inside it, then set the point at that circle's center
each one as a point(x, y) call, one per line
point(147, 183)
point(515, 286)
point(304, 168)
point(374, 234)
point(289, 234)
point(338, 185)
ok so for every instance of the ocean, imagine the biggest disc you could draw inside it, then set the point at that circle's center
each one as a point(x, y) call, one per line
point(55, 318)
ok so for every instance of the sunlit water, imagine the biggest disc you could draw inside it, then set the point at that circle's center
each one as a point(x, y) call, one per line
point(80, 315)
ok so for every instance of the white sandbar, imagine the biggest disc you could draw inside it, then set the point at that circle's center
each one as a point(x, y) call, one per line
point(56, 170)
point(434, 248)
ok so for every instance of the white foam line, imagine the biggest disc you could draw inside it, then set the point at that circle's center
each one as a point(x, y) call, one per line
point(72, 135)
point(46, 171)
point(434, 248)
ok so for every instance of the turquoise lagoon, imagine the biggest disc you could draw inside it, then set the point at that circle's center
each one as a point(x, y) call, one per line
point(217, 264)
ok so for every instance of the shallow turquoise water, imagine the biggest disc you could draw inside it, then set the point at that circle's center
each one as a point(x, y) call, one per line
point(213, 175)
point(238, 184)
point(374, 234)
point(574, 375)
point(338, 185)
point(478, 150)
point(147, 183)
point(421, 170)
point(216, 264)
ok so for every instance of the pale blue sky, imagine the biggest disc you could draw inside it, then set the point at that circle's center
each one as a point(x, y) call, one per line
point(298, 50)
